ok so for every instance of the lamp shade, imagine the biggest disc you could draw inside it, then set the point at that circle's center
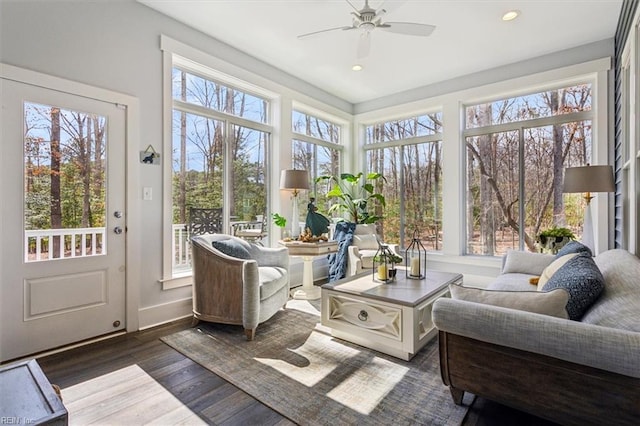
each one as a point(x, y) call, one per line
point(294, 179)
point(588, 179)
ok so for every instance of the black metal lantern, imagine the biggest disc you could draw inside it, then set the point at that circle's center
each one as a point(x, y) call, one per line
point(384, 268)
point(416, 258)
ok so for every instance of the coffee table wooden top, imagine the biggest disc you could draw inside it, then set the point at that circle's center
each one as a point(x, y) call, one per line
point(402, 291)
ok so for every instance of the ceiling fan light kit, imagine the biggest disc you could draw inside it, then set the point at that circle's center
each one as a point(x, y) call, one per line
point(368, 19)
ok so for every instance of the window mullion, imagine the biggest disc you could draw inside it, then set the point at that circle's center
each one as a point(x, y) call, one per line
point(521, 194)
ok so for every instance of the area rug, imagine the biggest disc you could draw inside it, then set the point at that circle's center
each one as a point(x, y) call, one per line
point(295, 367)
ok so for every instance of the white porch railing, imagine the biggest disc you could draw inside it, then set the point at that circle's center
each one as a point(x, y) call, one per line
point(180, 247)
point(74, 242)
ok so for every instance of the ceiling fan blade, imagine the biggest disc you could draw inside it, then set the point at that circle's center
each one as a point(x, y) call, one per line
point(325, 31)
point(364, 45)
point(408, 28)
point(353, 7)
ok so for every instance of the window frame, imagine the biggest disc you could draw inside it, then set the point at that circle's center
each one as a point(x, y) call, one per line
point(401, 143)
point(172, 278)
point(520, 127)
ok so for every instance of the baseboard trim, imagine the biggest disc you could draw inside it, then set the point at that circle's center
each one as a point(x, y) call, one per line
point(153, 316)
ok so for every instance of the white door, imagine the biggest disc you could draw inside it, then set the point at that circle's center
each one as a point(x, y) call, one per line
point(63, 219)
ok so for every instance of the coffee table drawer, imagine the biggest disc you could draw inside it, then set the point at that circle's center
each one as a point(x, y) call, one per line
point(371, 317)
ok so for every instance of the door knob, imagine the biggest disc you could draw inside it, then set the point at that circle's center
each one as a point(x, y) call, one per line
point(117, 230)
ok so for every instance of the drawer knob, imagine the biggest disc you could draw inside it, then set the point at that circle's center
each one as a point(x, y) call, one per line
point(363, 315)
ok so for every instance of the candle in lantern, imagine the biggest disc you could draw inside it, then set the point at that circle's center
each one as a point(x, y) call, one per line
point(415, 266)
point(382, 272)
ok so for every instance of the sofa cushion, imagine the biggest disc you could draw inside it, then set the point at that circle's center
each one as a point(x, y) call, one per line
point(512, 281)
point(232, 247)
point(551, 303)
point(525, 262)
point(619, 304)
point(553, 268)
point(582, 279)
point(573, 247)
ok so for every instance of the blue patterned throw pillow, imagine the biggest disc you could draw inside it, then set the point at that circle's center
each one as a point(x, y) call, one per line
point(573, 247)
point(232, 248)
point(583, 280)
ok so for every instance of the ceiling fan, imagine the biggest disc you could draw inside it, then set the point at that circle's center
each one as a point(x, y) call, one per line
point(368, 19)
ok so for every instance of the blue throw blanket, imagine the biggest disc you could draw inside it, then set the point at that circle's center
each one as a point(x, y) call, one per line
point(338, 261)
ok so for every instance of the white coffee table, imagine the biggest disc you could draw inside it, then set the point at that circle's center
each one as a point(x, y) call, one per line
point(391, 318)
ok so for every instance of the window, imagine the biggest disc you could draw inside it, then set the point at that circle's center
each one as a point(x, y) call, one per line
point(221, 139)
point(517, 149)
point(64, 183)
point(408, 153)
point(317, 148)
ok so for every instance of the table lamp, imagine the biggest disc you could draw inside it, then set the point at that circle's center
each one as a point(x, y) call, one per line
point(588, 179)
point(294, 180)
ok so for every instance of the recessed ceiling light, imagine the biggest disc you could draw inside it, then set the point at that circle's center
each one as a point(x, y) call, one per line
point(510, 15)
point(357, 67)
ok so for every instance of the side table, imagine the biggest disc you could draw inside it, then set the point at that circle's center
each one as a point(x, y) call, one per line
point(308, 251)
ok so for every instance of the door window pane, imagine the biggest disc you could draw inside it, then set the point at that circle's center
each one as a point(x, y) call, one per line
point(64, 181)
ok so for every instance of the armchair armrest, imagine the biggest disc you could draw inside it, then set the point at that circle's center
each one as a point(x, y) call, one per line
point(587, 344)
point(355, 260)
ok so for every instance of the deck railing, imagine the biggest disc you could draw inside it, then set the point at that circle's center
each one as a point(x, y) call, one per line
point(74, 242)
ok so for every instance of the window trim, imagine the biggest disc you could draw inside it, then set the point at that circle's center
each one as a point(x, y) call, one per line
point(520, 127)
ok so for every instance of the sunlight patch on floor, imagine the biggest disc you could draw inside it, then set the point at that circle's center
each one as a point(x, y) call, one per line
point(320, 361)
point(125, 396)
point(363, 390)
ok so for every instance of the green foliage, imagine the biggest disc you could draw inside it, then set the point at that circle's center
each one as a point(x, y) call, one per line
point(356, 195)
point(558, 232)
point(390, 258)
point(279, 220)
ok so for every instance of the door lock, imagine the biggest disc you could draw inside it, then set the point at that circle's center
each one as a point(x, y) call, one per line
point(117, 214)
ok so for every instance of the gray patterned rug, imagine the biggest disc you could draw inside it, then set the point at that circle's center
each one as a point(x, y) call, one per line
point(295, 367)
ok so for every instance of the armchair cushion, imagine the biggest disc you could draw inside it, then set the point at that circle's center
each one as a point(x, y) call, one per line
point(233, 248)
point(366, 242)
point(272, 279)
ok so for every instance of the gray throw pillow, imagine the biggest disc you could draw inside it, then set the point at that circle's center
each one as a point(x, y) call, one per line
point(573, 247)
point(550, 303)
point(583, 280)
point(232, 248)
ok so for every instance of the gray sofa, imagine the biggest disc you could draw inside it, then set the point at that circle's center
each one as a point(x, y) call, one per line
point(570, 372)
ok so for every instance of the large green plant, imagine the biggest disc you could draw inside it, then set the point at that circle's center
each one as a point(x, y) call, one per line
point(354, 195)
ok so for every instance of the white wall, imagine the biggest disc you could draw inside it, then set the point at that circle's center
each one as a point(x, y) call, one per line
point(116, 45)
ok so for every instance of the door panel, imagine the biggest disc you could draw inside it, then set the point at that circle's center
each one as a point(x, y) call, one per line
point(63, 180)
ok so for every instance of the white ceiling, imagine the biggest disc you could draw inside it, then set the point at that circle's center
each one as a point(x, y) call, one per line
point(470, 37)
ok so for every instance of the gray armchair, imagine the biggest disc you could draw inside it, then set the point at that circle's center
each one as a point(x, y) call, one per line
point(236, 282)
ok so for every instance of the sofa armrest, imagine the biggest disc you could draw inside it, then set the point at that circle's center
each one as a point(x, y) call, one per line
point(599, 347)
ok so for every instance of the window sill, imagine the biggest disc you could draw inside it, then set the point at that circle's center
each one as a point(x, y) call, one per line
point(177, 282)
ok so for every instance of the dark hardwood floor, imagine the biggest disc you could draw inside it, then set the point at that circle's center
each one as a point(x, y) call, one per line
point(137, 379)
